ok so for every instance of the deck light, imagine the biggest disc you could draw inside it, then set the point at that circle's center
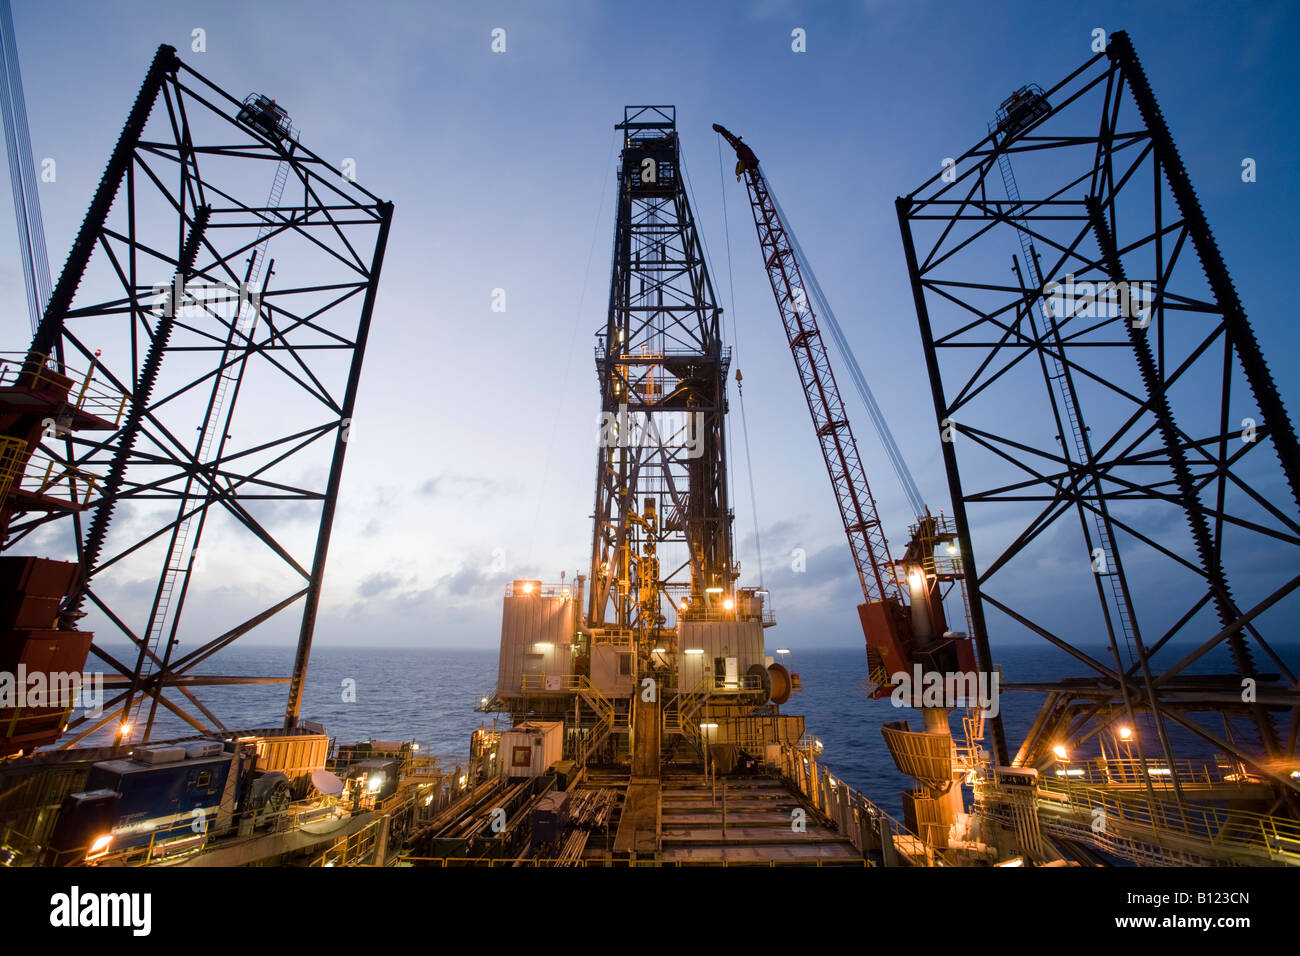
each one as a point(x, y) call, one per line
point(100, 846)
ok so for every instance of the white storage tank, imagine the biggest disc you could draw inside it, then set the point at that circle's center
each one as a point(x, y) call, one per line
point(721, 650)
point(537, 627)
point(529, 748)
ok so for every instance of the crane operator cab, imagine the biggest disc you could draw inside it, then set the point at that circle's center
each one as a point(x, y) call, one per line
point(1021, 108)
point(262, 113)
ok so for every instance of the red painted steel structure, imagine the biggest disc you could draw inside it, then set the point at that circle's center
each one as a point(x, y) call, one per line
point(884, 617)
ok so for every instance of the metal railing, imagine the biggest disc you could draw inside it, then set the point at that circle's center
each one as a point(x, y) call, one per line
point(48, 478)
point(681, 708)
point(13, 454)
point(693, 613)
point(1217, 830)
point(353, 849)
point(614, 635)
point(751, 732)
point(21, 718)
point(552, 682)
point(83, 392)
point(1122, 771)
point(165, 843)
point(713, 684)
point(522, 861)
point(537, 589)
point(862, 822)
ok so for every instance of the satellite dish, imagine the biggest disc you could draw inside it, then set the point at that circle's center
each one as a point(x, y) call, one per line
point(326, 783)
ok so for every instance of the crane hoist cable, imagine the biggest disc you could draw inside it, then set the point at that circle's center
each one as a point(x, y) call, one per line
point(22, 173)
point(749, 460)
point(740, 389)
point(823, 309)
point(853, 495)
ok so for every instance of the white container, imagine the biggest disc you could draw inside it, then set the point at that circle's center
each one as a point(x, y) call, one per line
point(156, 755)
point(198, 749)
point(529, 749)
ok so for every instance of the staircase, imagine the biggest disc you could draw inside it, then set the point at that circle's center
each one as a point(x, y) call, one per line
point(679, 718)
point(608, 719)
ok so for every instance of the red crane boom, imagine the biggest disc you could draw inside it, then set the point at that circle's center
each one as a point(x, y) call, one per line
point(839, 448)
point(887, 622)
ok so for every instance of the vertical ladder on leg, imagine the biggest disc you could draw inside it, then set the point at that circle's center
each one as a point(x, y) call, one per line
point(1080, 453)
point(183, 548)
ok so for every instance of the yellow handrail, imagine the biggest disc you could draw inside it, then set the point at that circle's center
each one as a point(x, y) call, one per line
point(48, 478)
point(1255, 833)
point(101, 401)
point(12, 453)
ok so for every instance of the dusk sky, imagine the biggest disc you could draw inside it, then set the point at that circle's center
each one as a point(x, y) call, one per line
point(473, 449)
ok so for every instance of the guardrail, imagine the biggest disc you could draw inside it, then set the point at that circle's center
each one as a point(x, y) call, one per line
point(863, 823)
point(48, 478)
point(353, 848)
point(356, 847)
point(84, 394)
point(13, 455)
point(537, 589)
point(551, 682)
point(1239, 832)
point(1112, 771)
point(181, 839)
point(618, 636)
point(766, 617)
point(523, 861)
point(738, 683)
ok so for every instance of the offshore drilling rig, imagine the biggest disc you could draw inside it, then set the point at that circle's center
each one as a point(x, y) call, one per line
point(655, 657)
point(1122, 765)
point(647, 715)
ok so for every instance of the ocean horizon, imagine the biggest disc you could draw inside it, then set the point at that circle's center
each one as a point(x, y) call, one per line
point(427, 695)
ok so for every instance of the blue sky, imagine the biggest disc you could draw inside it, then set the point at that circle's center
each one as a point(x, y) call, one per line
point(474, 436)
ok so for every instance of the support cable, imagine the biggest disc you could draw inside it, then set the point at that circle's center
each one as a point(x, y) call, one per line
point(22, 173)
point(822, 308)
point(740, 391)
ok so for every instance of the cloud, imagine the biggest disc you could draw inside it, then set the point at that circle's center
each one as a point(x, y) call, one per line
point(462, 487)
point(377, 584)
